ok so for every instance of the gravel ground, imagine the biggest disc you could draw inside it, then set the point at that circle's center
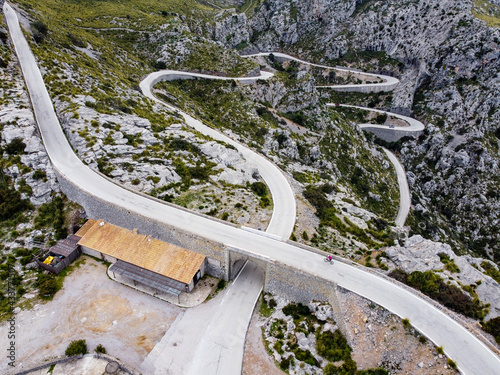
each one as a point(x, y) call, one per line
point(256, 359)
point(377, 338)
point(90, 306)
point(85, 366)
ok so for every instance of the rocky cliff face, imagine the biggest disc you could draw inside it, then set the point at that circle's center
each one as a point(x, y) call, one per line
point(422, 255)
point(448, 63)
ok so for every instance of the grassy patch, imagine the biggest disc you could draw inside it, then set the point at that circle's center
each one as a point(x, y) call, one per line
point(491, 271)
point(487, 11)
point(267, 307)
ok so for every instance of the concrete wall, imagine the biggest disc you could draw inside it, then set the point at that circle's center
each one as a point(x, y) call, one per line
point(98, 209)
point(365, 89)
point(295, 285)
point(391, 135)
point(91, 252)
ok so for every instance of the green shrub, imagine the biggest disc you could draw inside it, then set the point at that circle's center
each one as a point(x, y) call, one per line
point(52, 214)
point(26, 259)
point(11, 204)
point(277, 328)
point(15, 147)
point(452, 267)
point(375, 371)
point(381, 118)
point(264, 202)
point(39, 175)
point(305, 356)
point(259, 188)
point(278, 347)
point(490, 270)
point(47, 286)
point(76, 347)
point(286, 362)
point(266, 308)
point(100, 349)
point(444, 258)
point(39, 31)
point(452, 364)
point(449, 295)
point(348, 368)
point(221, 285)
point(492, 326)
point(440, 350)
point(296, 310)
point(332, 346)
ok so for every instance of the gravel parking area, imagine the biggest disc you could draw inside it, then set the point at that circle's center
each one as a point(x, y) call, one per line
point(90, 306)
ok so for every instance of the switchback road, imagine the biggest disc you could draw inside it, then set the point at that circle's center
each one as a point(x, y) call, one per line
point(471, 355)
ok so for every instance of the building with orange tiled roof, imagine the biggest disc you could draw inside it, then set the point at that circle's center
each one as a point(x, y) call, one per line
point(142, 259)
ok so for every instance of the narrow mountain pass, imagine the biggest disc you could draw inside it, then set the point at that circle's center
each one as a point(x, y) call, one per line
point(471, 355)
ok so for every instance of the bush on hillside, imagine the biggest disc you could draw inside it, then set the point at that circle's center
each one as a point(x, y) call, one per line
point(76, 347)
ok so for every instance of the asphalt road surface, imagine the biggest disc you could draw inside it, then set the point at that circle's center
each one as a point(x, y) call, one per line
point(471, 355)
point(413, 124)
point(404, 190)
point(388, 84)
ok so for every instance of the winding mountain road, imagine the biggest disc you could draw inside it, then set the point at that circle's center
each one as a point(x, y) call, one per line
point(388, 84)
point(404, 190)
point(283, 218)
point(284, 209)
point(413, 124)
point(471, 355)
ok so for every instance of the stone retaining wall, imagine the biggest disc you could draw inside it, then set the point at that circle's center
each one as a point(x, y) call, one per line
point(366, 89)
point(296, 285)
point(99, 209)
point(392, 135)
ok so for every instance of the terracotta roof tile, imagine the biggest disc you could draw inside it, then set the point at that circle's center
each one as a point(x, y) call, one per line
point(81, 232)
point(143, 251)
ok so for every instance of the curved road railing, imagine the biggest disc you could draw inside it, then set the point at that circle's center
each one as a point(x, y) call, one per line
point(414, 125)
point(388, 84)
point(471, 355)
